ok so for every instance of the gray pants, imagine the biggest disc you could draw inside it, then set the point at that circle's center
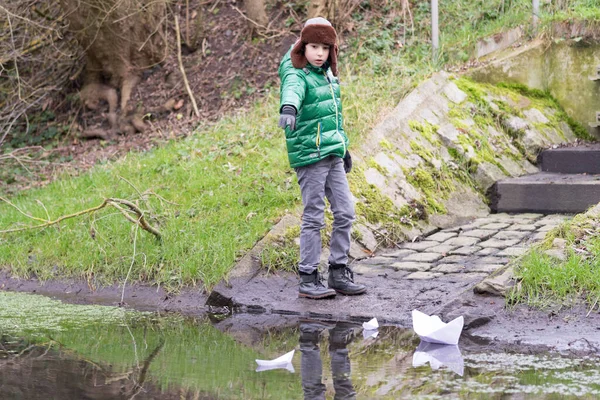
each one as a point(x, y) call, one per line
point(324, 178)
point(312, 365)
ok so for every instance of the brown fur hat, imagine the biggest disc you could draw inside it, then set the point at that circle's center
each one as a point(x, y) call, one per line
point(316, 30)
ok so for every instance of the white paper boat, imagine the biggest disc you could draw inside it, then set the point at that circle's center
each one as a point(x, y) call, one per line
point(438, 355)
point(371, 325)
point(370, 333)
point(288, 366)
point(432, 329)
point(283, 362)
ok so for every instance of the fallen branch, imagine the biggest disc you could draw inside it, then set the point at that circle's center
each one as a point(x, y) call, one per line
point(21, 211)
point(593, 307)
point(114, 202)
point(141, 221)
point(122, 303)
point(185, 80)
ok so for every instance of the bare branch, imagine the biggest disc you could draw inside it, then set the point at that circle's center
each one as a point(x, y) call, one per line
point(114, 202)
point(8, 13)
point(132, 262)
point(185, 80)
point(21, 211)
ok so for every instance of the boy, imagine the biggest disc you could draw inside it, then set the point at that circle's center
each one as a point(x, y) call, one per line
point(311, 114)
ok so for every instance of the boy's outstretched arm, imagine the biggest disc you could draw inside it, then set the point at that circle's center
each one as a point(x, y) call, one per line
point(293, 85)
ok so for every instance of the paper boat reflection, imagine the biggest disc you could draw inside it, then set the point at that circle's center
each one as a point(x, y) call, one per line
point(283, 362)
point(432, 329)
point(439, 355)
point(370, 333)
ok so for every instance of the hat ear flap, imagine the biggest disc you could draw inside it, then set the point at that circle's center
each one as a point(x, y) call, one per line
point(297, 55)
point(333, 59)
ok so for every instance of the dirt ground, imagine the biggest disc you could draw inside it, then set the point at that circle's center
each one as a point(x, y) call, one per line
point(227, 71)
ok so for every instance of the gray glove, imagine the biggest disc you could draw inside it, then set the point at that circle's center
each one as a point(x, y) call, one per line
point(287, 117)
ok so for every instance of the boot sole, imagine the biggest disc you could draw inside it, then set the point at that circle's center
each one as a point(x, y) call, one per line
point(351, 293)
point(323, 296)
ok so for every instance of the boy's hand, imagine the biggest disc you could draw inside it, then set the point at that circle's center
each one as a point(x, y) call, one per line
point(287, 117)
point(347, 162)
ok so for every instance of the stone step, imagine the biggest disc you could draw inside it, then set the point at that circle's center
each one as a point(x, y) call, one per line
point(571, 160)
point(546, 193)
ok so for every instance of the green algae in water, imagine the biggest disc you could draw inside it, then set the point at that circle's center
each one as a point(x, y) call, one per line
point(22, 313)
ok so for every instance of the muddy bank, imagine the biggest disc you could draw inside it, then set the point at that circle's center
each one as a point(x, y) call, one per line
point(570, 331)
point(436, 275)
point(189, 301)
point(489, 325)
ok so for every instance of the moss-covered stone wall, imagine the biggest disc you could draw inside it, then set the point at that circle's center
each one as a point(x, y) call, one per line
point(430, 163)
point(561, 66)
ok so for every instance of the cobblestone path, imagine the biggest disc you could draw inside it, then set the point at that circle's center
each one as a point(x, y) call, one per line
point(426, 275)
point(476, 249)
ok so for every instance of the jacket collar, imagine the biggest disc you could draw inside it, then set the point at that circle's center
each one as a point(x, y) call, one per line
point(312, 68)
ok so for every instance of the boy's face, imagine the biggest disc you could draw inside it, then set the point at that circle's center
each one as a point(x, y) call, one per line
point(316, 53)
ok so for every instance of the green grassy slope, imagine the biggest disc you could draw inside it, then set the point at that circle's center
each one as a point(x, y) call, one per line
point(214, 195)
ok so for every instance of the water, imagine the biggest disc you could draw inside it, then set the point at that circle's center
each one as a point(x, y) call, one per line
point(50, 350)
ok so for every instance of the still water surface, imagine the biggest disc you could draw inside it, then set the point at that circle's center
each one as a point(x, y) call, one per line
point(51, 350)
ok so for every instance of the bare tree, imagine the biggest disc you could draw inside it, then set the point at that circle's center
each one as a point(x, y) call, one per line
point(39, 55)
point(120, 39)
point(37, 58)
point(320, 8)
point(256, 14)
point(338, 12)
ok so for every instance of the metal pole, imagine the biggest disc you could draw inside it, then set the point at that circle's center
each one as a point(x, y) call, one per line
point(536, 12)
point(434, 29)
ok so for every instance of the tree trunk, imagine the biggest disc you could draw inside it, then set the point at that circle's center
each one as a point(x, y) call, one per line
point(120, 37)
point(336, 11)
point(257, 14)
point(319, 8)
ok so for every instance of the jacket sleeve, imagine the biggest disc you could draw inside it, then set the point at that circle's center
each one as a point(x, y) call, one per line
point(293, 86)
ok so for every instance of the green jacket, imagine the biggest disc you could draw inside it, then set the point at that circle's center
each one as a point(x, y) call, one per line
point(315, 93)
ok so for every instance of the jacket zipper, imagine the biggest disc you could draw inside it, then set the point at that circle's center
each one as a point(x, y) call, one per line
point(318, 140)
point(336, 112)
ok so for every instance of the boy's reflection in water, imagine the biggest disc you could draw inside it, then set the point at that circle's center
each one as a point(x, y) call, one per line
point(340, 334)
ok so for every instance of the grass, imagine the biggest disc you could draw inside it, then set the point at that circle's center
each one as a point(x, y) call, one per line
point(214, 195)
point(545, 280)
point(574, 9)
point(282, 254)
point(219, 192)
